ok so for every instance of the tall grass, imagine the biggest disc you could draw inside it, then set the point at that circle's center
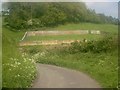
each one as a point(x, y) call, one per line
point(18, 70)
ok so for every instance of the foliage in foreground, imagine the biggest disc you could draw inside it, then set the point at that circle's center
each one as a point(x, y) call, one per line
point(102, 65)
point(18, 70)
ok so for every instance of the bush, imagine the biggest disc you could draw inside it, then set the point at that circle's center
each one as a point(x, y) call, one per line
point(103, 45)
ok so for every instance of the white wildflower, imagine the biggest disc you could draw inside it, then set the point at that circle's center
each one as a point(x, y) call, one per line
point(15, 62)
point(12, 65)
point(42, 54)
point(30, 59)
point(18, 75)
point(24, 59)
point(18, 63)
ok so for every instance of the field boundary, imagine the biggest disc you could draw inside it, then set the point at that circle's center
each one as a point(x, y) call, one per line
point(52, 42)
point(56, 32)
point(24, 36)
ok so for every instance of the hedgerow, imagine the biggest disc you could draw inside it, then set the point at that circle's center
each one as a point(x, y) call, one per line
point(107, 44)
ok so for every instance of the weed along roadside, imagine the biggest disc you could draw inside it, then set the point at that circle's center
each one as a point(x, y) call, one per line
point(18, 70)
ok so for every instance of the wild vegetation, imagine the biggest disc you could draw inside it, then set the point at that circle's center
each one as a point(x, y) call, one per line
point(18, 70)
point(97, 58)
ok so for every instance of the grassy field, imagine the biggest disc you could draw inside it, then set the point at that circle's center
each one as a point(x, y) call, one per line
point(89, 26)
point(18, 70)
point(109, 29)
point(86, 26)
point(63, 37)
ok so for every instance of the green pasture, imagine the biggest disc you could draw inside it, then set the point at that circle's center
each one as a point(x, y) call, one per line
point(62, 37)
point(105, 29)
point(83, 26)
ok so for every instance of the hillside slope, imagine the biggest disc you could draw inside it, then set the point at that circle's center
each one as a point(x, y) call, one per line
point(16, 72)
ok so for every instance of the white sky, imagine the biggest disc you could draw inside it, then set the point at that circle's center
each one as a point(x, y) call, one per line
point(108, 8)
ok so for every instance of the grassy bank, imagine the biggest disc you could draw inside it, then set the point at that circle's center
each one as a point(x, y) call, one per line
point(18, 70)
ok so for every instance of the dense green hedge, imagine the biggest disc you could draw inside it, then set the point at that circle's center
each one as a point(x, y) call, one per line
point(107, 44)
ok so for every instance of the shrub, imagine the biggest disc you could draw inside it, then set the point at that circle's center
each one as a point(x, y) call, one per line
point(104, 45)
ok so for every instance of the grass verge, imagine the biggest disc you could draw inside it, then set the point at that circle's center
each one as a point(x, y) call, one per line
point(18, 70)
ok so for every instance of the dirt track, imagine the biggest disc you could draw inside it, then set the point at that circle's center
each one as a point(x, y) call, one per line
point(56, 77)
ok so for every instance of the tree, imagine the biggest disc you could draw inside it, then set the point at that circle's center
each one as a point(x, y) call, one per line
point(27, 14)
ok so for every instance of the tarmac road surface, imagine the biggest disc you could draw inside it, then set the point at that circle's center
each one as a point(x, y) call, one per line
point(50, 76)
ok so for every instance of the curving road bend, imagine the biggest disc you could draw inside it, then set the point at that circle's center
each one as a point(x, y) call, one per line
point(50, 76)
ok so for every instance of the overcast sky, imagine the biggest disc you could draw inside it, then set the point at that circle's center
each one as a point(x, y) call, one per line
point(107, 7)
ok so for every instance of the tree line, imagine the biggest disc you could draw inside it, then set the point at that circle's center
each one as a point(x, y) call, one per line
point(25, 15)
